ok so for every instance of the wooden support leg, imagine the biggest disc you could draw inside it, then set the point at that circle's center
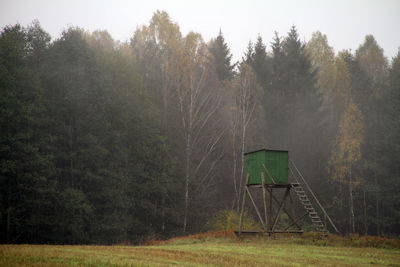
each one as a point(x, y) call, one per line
point(265, 202)
point(295, 222)
point(255, 206)
point(290, 217)
point(279, 210)
point(271, 196)
point(293, 211)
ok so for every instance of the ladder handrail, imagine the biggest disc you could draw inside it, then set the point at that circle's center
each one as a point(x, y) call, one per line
point(315, 198)
point(270, 176)
point(312, 214)
point(294, 176)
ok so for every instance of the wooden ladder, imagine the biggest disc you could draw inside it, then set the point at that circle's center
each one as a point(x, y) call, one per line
point(305, 201)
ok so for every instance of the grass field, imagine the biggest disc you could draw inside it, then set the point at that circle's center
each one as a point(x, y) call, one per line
point(211, 250)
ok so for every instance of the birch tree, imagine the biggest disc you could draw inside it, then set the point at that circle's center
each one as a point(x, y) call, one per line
point(347, 153)
point(371, 59)
point(157, 47)
point(244, 88)
point(198, 103)
point(322, 57)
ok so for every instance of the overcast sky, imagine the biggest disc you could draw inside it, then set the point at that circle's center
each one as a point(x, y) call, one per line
point(345, 22)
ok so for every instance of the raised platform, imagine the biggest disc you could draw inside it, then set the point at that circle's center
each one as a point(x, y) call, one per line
point(289, 185)
point(269, 232)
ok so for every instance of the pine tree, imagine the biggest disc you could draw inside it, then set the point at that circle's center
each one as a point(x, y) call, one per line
point(260, 64)
point(27, 189)
point(291, 89)
point(389, 152)
point(277, 65)
point(222, 58)
point(299, 74)
point(299, 102)
point(249, 54)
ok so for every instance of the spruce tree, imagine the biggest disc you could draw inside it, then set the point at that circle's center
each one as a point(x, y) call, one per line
point(389, 153)
point(26, 185)
point(293, 86)
point(222, 58)
point(249, 54)
point(259, 62)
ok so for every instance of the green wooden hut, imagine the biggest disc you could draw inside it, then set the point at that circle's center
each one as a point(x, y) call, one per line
point(275, 161)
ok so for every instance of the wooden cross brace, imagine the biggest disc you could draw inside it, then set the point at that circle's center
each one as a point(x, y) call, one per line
point(268, 213)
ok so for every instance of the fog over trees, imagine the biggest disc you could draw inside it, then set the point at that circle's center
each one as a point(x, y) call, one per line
point(108, 142)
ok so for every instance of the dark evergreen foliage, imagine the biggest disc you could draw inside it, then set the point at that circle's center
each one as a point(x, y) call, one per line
point(79, 141)
point(390, 145)
point(222, 56)
point(91, 144)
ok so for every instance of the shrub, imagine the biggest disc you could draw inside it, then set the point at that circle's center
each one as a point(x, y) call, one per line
point(227, 220)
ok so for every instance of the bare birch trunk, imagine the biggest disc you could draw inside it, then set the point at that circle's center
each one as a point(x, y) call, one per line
point(378, 226)
point(241, 186)
point(236, 198)
point(365, 214)
point(187, 181)
point(352, 217)
point(244, 110)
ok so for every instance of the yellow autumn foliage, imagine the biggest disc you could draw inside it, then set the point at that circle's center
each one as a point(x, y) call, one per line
point(227, 220)
point(347, 146)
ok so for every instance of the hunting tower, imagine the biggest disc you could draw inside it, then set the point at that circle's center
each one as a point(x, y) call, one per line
point(269, 170)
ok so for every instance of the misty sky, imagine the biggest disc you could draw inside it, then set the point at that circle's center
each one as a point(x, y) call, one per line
point(344, 22)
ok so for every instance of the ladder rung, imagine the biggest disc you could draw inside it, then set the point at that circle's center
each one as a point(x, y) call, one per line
point(312, 213)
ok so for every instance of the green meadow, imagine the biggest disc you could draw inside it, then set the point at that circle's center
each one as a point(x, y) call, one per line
point(211, 250)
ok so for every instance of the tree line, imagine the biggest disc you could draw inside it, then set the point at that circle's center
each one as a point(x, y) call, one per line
point(109, 142)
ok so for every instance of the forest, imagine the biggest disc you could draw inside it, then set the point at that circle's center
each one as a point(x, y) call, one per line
point(105, 142)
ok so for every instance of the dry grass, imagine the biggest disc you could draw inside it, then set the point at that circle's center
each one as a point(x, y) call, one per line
point(212, 249)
